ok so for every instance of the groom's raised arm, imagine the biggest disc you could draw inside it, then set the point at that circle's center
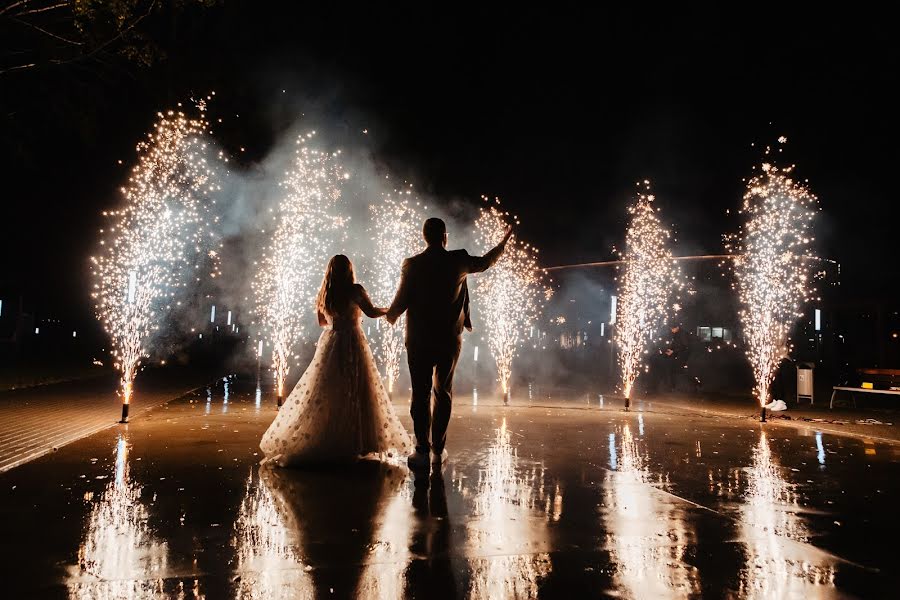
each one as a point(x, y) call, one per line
point(477, 264)
point(401, 299)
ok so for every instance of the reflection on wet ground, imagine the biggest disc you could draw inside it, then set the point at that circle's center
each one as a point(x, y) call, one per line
point(535, 502)
point(119, 556)
point(645, 532)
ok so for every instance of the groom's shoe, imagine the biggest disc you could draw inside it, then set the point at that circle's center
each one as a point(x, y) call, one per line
point(439, 459)
point(418, 460)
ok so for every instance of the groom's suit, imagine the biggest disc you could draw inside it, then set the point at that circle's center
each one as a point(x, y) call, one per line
point(435, 296)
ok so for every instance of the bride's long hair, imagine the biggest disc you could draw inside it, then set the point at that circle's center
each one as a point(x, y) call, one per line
point(336, 285)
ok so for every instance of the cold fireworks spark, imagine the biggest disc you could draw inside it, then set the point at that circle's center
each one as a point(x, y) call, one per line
point(646, 286)
point(773, 274)
point(161, 240)
point(396, 234)
point(306, 223)
point(511, 294)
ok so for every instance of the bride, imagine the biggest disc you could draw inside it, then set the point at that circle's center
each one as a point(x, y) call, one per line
point(339, 410)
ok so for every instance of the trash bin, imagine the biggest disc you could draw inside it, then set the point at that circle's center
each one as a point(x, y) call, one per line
point(805, 381)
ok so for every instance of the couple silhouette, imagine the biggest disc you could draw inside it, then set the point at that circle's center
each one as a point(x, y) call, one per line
point(339, 410)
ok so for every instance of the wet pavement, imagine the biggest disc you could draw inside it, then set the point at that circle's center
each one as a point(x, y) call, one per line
point(42, 419)
point(880, 422)
point(568, 501)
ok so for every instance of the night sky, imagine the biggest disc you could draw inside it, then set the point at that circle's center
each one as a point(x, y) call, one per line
point(558, 113)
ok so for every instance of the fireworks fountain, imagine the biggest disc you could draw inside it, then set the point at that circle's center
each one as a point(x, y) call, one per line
point(645, 288)
point(162, 239)
point(305, 223)
point(773, 267)
point(511, 293)
point(396, 228)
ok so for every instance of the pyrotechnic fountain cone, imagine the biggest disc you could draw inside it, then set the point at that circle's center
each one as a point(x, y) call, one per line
point(506, 398)
point(762, 414)
point(127, 390)
point(280, 399)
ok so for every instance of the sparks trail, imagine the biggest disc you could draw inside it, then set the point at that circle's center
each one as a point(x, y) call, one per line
point(306, 222)
point(511, 293)
point(699, 257)
point(645, 287)
point(162, 239)
point(396, 234)
point(773, 270)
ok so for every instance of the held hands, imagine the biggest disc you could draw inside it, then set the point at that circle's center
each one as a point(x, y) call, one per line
point(507, 235)
point(391, 319)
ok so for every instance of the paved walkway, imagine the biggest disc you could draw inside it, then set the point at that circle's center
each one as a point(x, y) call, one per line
point(39, 420)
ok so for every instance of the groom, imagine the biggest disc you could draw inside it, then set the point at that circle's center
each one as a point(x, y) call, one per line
point(434, 294)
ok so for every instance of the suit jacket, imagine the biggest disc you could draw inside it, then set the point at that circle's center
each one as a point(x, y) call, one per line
point(435, 295)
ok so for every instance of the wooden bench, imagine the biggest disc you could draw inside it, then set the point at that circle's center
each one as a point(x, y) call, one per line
point(887, 380)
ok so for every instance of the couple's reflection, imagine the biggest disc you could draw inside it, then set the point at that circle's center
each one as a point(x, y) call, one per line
point(430, 570)
point(363, 532)
point(313, 532)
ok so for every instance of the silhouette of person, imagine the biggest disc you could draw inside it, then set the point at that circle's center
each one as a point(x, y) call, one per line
point(434, 294)
point(673, 359)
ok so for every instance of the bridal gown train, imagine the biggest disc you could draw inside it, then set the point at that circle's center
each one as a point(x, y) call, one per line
point(339, 410)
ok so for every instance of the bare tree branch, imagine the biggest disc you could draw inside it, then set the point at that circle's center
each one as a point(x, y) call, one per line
point(28, 7)
point(26, 10)
point(116, 37)
point(35, 11)
point(17, 68)
point(45, 32)
point(13, 6)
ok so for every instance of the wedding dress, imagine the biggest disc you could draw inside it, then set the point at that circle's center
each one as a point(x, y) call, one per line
point(339, 410)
